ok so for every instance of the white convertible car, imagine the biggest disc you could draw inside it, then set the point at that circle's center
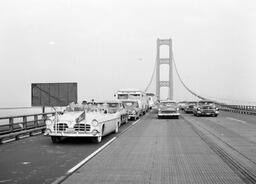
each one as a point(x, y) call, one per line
point(77, 122)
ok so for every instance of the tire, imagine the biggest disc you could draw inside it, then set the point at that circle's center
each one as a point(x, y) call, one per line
point(117, 128)
point(55, 139)
point(97, 139)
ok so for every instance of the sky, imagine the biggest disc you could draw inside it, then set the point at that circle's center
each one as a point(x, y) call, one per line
point(106, 45)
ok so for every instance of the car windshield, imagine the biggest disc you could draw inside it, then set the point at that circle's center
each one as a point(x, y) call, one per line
point(167, 103)
point(205, 103)
point(74, 108)
point(134, 96)
point(130, 104)
point(208, 107)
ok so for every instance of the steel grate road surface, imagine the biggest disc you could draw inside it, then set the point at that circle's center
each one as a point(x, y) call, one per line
point(156, 151)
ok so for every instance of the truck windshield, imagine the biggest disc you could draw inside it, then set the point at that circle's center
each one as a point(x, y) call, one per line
point(136, 96)
point(122, 96)
point(168, 103)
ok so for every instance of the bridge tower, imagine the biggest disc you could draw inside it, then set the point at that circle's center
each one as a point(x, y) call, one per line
point(160, 61)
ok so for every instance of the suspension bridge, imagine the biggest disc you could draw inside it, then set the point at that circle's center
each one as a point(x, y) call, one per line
point(149, 150)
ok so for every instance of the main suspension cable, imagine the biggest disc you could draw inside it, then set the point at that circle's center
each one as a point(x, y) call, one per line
point(180, 79)
point(151, 79)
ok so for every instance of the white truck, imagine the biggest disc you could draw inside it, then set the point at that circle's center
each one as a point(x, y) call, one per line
point(151, 99)
point(124, 94)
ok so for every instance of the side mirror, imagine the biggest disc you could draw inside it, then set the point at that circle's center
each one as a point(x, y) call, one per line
point(105, 111)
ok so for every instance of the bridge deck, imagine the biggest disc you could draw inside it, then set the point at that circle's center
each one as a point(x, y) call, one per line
point(157, 151)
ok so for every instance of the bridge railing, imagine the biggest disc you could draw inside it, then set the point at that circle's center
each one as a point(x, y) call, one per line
point(243, 109)
point(15, 126)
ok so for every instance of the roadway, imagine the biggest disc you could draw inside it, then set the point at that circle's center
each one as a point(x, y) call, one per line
point(186, 150)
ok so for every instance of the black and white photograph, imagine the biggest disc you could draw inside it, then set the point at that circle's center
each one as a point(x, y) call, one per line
point(128, 92)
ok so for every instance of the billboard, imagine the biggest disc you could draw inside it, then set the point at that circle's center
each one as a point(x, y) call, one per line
point(53, 94)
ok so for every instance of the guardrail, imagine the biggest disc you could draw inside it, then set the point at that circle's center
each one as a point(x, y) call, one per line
point(16, 127)
point(243, 109)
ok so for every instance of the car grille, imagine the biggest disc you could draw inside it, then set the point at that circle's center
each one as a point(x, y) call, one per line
point(82, 127)
point(60, 126)
point(168, 111)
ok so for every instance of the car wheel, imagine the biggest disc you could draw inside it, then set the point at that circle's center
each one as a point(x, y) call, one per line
point(97, 139)
point(55, 139)
point(117, 127)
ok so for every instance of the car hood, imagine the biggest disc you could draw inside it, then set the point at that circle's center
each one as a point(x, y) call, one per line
point(70, 116)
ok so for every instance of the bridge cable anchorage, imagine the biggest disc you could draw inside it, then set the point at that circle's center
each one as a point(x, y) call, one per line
point(152, 76)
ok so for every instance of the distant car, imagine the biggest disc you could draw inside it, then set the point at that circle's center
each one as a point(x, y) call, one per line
point(206, 110)
point(189, 107)
point(77, 122)
point(182, 105)
point(133, 108)
point(168, 108)
point(116, 106)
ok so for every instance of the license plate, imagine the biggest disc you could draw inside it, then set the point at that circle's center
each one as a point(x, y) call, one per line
point(208, 113)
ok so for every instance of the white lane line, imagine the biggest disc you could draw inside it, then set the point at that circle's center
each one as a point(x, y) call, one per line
point(73, 169)
point(238, 120)
point(23, 136)
point(3, 181)
point(136, 122)
point(8, 140)
point(36, 133)
point(130, 126)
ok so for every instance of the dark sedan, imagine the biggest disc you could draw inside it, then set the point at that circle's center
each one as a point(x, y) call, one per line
point(206, 110)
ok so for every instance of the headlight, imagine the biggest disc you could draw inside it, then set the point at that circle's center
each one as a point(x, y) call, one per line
point(94, 123)
point(48, 122)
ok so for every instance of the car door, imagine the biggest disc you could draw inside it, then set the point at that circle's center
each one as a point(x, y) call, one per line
point(108, 127)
